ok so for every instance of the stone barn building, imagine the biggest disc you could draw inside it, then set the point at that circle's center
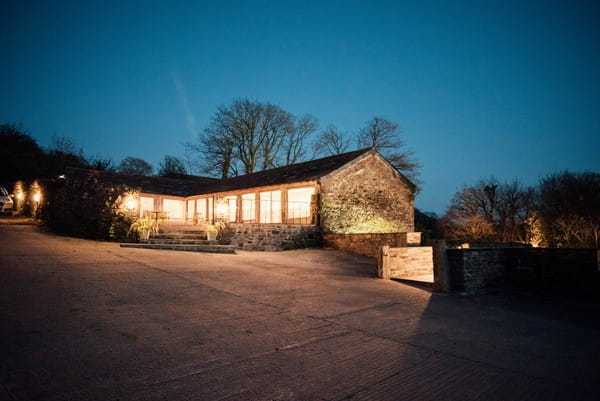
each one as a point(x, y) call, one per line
point(347, 200)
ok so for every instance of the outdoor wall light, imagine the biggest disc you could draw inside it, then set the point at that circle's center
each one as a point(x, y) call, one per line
point(37, 197)
point(19, 195)
point(130, 204)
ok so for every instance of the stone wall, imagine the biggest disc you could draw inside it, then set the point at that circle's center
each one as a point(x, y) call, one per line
point(404, 263)
point(410, 261)
point(364, 244)
point(366, 196)
point(476, 271)
point(272, 237)
point(571, 272)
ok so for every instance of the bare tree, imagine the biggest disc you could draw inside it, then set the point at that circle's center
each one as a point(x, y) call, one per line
point(62, 153)
point(570, 209)
point(134, 166)
point(214, 149)
point(276, 125)
point(384, 135)
point(294, 146)
point(246, 136)
point(171, 166)
point(101, 163)
point(490, 212)
point(331, 141)
point(64, 144)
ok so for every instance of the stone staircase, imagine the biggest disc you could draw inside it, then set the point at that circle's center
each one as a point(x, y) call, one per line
point(175, 239)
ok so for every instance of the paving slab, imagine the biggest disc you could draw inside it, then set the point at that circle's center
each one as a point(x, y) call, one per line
point(88, 320)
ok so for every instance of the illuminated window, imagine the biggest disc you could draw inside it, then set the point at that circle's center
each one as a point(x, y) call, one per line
point(201, 209)
point(231, 209)
point(270, 207)
point(190, 210)
point(248, 207)
point(146, 206)
point(174, 208)
point(298, 205)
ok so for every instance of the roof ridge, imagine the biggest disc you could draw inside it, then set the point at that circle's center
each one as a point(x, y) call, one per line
point(289, 166)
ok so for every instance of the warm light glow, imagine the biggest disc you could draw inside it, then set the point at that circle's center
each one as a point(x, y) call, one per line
point(62, 176)
point(131, 203)
point(222, 209)
point(174, 208)
point(299, 202)
point(248, 207)
point(270, 207)
point(37, 197)
point(19, 195)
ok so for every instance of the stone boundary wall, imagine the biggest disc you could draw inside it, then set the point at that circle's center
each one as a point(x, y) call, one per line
point(476, 271)
point(272, 237)
point(369, 244)
point(573, 272)
point(404, 262)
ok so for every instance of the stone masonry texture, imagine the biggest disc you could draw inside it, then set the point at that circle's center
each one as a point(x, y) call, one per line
point(410, 261)
point(364, 244)
point(572, 272)
point(273, 237)
point(367, 196)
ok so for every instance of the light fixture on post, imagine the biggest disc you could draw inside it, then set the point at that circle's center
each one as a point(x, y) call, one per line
point(37, 197)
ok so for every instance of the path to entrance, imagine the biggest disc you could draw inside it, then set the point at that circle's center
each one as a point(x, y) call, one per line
point(86, 320)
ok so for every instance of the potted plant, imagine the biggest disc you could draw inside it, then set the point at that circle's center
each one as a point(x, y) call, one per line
point(212, 230)
point(143, 227)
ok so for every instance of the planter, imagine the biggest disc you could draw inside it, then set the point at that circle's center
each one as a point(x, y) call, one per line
point(144, 235)
point(211, 235)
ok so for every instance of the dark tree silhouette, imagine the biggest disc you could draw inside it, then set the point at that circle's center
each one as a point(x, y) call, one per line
point(248, 136)
point(331, 141)
point(134, 166)
point(569, 210)
point(22, 157)
point(489, 211)
point(384, 135)
point(171, 166)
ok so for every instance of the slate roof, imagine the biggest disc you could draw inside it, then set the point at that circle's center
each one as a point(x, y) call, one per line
point(306, 171)
point(188, 185)
point(184, 185)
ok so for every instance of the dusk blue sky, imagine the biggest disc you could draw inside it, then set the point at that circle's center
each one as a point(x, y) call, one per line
point(510, 89)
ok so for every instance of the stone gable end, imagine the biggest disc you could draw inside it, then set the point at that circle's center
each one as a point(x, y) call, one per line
point(366, 196)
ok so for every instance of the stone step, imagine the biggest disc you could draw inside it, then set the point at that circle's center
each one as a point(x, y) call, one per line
point(180, 241)
point(181, 232)
point(182, 247)
point(179, 236)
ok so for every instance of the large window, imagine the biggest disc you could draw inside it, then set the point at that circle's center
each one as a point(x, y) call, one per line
point(231, 210)
point(201, 209)
point(298, 205)
point(146, 206)
point(270, 207)
point(248, 207)
point(190, 210)
point(174, 208)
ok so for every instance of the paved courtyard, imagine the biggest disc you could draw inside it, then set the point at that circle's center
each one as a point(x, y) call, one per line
point(87, 320)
